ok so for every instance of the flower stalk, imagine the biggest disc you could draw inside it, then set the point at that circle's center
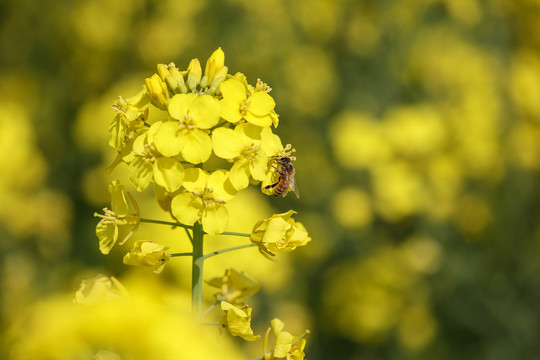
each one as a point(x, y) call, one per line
point(197, 271)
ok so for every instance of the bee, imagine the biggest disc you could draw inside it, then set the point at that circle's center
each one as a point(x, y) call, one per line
point(287, 179)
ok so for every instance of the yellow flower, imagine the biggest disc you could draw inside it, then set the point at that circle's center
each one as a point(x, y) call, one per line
point(148, 253)
point(236, 104)
point(187, 133)
point(98, 289)
point(149, 165)
point(243, 147)
point(286, 345)
point(279, 233)
point(238, 321)
point(132, 114)
point(234, 286)
point(115, 222)
point(204, 200)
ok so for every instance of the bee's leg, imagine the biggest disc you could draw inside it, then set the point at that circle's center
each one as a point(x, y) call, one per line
point(279, 172)
point(271, 186)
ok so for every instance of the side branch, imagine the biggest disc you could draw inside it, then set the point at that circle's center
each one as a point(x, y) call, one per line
point(214, 253)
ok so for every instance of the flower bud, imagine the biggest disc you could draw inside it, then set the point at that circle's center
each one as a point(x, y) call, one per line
point(157, 91)
point(194, 72)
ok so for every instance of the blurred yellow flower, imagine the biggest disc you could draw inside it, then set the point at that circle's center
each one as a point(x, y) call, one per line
point(286, 345)
point(237, 104)
point(148, 253)
point(234, 286)
point(116, 222)
point(204, 200)
point(238, 321)
point(279, 233)
point(352, 208)
point(98, 289)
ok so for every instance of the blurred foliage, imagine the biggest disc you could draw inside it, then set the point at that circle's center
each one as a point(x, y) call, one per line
point(417, 129)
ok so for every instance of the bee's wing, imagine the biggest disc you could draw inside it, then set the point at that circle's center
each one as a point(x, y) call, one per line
point(294, 187)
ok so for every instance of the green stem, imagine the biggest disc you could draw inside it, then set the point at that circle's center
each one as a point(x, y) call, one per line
point(162, 222)
point(235, 234)
point(197, 271)
point(210, 308)
point(181, 254)
point(214, 253)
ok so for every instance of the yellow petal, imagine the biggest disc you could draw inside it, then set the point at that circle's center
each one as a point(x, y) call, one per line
point(187, 208)
point(275, 230)
point(179, 105)
point(226, 143)
point(119, 203)
point(107, 234)
point(140, 173)
point(233, 90)
point(259, 166)
point(169, 138)
point(261, 104)
point(195, 179)
point(168, 173)
point(205, 110)
point(223, 189)
point(230, 110)
point(239, 174)
point(215, 219)
point(197, 147)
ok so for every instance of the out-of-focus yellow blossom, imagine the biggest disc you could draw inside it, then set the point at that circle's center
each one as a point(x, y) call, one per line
point(129, 121)
point(284, 341)
point(204, 200)
point(279, 233)
point(352, 208)
point(415, 131)
point(118, 220)
point(399, 190)
point(107, 355)
point(236, 104)
point(417, 327)
point(98, 289)
point(148, 253)
point(187, 133)
point(131, 327)
point(243, 147)
point(358, 141)
point(369, 298)
point(148, 164)
point(157, 91)
point(234, 286)
point(238, 321)
point(524, 83)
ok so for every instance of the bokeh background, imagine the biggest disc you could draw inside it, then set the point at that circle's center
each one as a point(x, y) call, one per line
point(417, 129)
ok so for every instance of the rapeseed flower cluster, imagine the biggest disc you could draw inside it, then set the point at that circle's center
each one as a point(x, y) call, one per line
point(166, 135)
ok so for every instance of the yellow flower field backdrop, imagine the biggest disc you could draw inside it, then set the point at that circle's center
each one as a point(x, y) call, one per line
point(416, 125)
